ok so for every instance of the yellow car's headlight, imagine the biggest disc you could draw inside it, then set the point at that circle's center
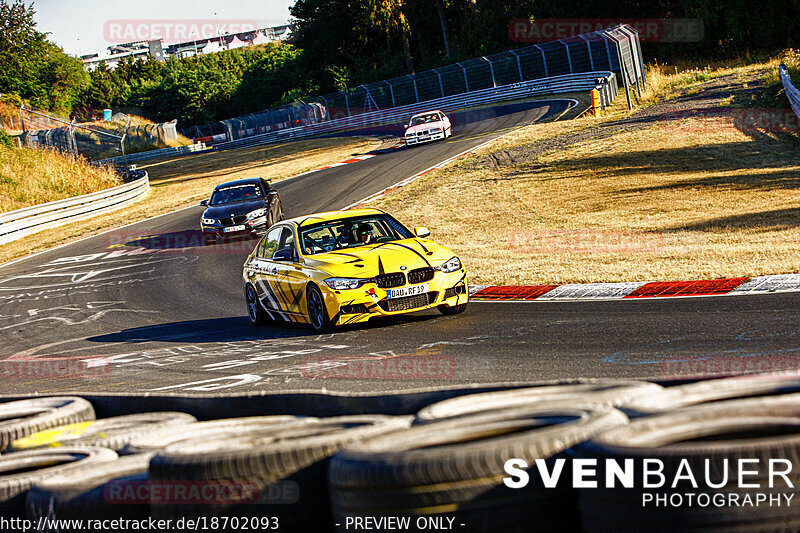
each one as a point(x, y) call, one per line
point(340, 284)
point(451, 265)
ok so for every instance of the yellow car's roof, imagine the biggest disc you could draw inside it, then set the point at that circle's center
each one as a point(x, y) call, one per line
point(316, 218)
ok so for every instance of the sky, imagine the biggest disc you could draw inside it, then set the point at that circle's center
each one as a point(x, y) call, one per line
point(86, 26)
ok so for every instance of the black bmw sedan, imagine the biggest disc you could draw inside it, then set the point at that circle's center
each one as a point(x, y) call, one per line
point(239, 208)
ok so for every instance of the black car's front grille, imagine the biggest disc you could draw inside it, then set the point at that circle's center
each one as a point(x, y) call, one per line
point(408, 302)
point(387, 281)
point(420, 275)
point(233, 221)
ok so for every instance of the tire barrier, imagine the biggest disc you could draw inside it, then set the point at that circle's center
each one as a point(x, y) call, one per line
point(451, 469)
point(707, 441)
point(19, 471)
point(703, 392)
point(158, 440)
point(600, 392)
point(113, 433)
point(284, 469)
point(25, 417)
point(90, 491)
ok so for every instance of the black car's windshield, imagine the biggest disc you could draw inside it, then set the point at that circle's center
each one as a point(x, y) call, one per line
point(350, 233)
point(236, 193)
point(424, 119)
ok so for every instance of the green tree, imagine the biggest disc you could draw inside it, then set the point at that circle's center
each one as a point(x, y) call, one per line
point(20, 45)
point(33, 67)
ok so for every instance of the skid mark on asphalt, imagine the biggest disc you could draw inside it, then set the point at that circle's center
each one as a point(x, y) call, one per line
point(72, 315)
point(753, 350)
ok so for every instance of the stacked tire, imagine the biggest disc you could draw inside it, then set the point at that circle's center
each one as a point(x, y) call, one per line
point(451, 472)
point(715, 442)
point(278, 473)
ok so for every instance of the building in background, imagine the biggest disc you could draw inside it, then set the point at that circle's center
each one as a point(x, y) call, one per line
point(112, 55)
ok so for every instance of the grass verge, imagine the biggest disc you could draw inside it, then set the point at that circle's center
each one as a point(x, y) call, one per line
point(29, 177)
point(679, 199)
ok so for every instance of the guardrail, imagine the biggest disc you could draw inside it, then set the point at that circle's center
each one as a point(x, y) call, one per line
point(604, 81)
point(792, 93)
point(17, 224)
point(150, 154)
point(615, 49)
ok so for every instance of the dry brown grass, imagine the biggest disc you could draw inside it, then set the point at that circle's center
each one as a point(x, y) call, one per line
point(667, 81)
point(680, 200)
point(29, 177)
point(180, 182)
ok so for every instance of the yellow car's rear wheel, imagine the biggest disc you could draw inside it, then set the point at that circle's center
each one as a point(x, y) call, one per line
point(256, 313)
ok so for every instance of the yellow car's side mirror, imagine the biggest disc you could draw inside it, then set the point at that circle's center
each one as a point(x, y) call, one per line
point(422, 231)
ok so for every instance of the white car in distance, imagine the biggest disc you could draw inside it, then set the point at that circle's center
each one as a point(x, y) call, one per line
point(426, 127)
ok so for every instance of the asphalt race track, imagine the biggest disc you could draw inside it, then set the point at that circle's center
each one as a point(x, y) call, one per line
point(147, 308)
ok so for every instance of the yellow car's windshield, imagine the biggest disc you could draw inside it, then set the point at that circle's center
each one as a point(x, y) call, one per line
point(350, 233)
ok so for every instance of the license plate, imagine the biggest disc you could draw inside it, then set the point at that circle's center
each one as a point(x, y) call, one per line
point(234, 228)
point(414, 290)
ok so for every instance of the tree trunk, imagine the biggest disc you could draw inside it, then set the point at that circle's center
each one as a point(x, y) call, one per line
point(406, 44)
point(445, 32)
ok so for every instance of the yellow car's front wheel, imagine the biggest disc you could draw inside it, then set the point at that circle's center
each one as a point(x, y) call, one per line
point(452, 309)
point(317, 313)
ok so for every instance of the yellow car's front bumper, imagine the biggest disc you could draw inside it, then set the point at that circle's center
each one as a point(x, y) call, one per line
point(369, 301)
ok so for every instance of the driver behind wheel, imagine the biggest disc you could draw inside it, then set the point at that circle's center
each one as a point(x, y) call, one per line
point(364, 234)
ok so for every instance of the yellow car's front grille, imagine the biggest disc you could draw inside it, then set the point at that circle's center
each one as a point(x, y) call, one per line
point(387, 281)
point(407, 302)
point(420, 275)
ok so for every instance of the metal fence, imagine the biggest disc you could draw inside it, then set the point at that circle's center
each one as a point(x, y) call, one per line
point(151, 134)
point(792, 93)
point(110, 140)
point(605, 82)
point(44, 130)
point(616, 49)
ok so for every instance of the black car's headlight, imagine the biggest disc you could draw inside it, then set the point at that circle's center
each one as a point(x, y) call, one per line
point(451, 265)
point(257, 213)
point(341, 284)
point(209, 221)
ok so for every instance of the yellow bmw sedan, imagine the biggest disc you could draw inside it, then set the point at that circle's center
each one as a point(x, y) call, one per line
point(345, 267)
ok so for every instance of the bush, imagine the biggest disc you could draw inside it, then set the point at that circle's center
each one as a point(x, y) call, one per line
point(5, 139)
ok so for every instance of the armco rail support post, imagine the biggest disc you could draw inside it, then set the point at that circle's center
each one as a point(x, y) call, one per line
point(595, 102)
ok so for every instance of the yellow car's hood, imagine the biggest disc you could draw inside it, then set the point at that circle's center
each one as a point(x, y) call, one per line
point(372, 260)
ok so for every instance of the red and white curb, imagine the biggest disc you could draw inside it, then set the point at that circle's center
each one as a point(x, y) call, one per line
point(643, 289)
point(354, 159)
